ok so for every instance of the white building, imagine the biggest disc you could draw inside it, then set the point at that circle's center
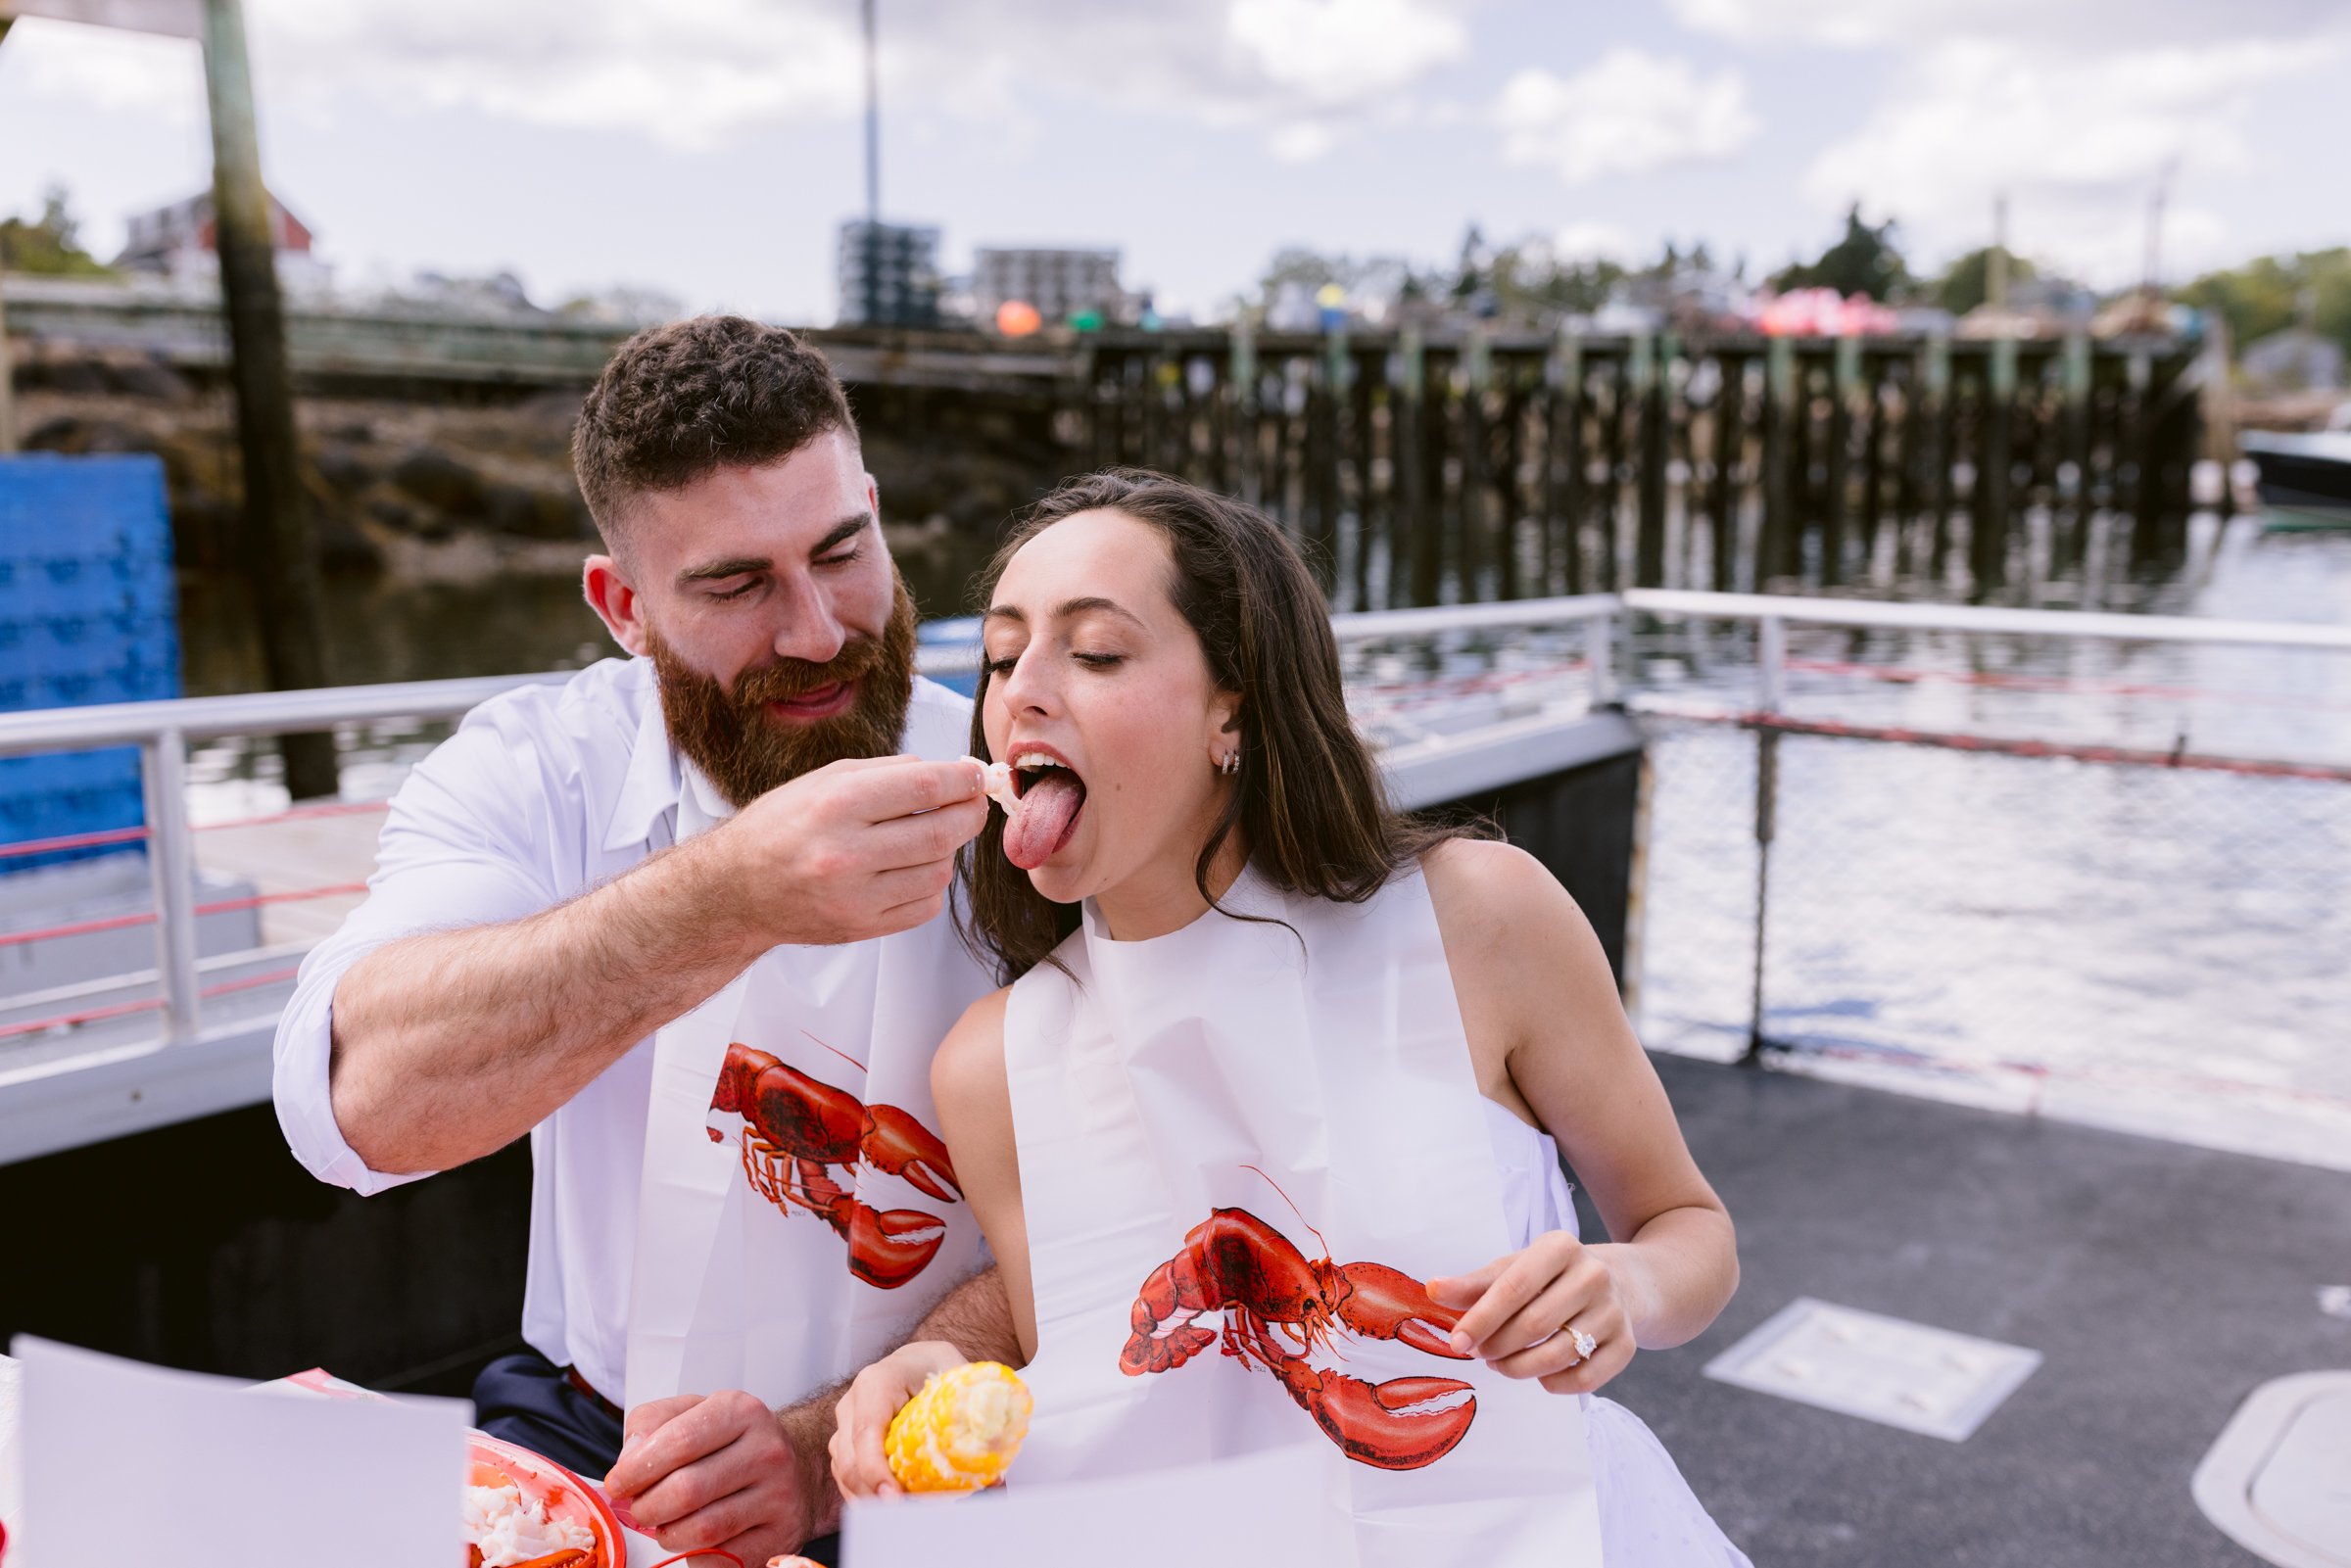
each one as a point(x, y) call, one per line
point(182, 242)
point(1061, 284)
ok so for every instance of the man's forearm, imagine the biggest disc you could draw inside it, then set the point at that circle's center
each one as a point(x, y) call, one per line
point(975, 1317)
point(451, 1045)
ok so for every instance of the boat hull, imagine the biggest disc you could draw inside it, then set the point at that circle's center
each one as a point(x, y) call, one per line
point(2308, 474)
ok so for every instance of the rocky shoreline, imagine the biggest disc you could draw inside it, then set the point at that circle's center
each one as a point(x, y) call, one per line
point(461, 491)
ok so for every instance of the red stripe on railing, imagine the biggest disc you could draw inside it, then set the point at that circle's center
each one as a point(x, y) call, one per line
point(332, 808)
point(2114, 756)
point(85, 1016)
point(116, 1010)
point(1905, 675)
point(146, 917)
point(42, 846)
point(128, 836)
point(248, 982)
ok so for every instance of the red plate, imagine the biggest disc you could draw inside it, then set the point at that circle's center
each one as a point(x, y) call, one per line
point(573, 1499)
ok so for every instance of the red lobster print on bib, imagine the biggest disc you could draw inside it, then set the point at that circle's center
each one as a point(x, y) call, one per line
point(796, 1130)
point(1269, 1293)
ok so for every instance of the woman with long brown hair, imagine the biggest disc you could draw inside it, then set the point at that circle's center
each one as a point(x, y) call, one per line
point(1282, 1073)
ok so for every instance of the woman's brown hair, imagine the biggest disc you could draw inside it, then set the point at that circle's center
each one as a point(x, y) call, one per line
point(1308, 804)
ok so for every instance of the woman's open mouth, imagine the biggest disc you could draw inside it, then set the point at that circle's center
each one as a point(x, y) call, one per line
point(1051, 795)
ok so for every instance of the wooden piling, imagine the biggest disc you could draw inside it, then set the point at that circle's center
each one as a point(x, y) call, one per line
point(1573, 463)
point(1942, 418)
point(1776, 557)
point(1476, 530)
point(1727, 426)
point(1644, 384)
point(284, 562)
point(1844, 380)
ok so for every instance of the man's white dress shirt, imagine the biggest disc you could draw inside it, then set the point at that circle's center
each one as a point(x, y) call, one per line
point(543, 792)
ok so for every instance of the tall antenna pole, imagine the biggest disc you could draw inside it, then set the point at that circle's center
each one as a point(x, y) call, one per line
point(2162, 185)
point(872, 119)
point(1996, 265)
point(872, 168)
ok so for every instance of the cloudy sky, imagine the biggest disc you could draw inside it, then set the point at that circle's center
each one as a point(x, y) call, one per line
point(708, 147)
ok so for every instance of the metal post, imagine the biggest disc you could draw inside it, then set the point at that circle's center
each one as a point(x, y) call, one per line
point(1771, 663)
point(277, 536)
point(1771, 658)
point(1600, 652)
point(171, 862)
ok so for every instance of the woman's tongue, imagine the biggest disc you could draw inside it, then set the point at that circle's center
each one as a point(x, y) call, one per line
point(1043, 816)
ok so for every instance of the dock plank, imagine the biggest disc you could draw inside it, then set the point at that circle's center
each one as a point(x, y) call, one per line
point(2162, 1283)
point(294, 856)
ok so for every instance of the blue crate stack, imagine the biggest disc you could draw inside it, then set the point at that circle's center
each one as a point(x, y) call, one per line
point(88, 613)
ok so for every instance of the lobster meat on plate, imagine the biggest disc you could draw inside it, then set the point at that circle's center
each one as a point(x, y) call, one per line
point(523, 1511)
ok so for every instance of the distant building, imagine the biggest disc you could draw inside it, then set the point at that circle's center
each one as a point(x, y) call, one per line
point(181, 241)
point(1061, 284)
point(2296, 360)
point(486, 294)
point(888, 276)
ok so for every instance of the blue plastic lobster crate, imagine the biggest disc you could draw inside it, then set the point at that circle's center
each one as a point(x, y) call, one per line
point(88, 613)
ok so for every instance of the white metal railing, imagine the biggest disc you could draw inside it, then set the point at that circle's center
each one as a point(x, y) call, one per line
point(1774, 613)
point(162, 730)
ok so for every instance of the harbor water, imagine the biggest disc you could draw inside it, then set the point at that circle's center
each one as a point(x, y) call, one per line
point(2152, 948)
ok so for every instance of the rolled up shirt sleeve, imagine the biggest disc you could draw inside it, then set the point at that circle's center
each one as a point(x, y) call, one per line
point(468, 840)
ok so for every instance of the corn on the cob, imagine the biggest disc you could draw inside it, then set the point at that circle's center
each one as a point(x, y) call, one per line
point(961, 1430)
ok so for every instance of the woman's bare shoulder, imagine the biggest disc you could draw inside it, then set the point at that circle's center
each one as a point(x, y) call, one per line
point(1506, 921)
point(972, 1056)
point(1485, 888)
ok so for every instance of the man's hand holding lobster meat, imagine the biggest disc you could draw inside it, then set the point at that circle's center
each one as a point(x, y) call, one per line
point(1520, 1313)
point(858, 849)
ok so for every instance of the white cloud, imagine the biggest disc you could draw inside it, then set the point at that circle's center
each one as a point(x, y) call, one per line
point(1341, 53)
point(689, 73)
point(695, 74)
point(1593, 241)
point(1301, 141)
point(2091, 24)
point(1629, 112)
point(2077, 144)
point(115, 71)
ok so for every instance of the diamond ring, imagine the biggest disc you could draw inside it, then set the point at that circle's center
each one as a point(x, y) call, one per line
point(1584, 1343)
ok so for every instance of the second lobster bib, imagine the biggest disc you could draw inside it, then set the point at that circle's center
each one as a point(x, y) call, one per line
point(799, 1212)
point(1242, 1148)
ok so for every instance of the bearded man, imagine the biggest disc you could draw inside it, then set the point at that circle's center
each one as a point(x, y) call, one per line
point(581, 866)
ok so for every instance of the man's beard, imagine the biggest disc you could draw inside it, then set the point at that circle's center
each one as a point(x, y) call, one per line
point(744, 750)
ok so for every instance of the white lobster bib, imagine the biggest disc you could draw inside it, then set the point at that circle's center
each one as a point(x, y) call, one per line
point(799, 1212)
point(1242, 1145)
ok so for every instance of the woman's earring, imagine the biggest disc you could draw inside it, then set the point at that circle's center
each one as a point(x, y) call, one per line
point(1232, 763)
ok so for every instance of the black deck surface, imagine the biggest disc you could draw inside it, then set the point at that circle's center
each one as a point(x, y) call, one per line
point(2162, 1283)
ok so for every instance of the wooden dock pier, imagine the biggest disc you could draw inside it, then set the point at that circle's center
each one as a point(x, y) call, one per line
point(1420, 469)
point(1442, 465)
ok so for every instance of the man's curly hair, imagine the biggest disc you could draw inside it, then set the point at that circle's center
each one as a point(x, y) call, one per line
point(680, 402)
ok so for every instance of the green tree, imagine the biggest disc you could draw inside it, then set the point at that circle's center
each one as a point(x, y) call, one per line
point(1866, 260)
point(51, 243)
point(2269, 293)
point(1967, 283)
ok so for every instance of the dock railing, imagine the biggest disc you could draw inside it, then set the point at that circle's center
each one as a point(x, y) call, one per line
point(1589, 652)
